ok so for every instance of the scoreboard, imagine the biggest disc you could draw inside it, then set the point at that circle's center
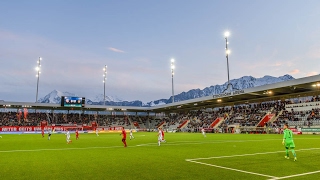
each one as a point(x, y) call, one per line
point(69, 101)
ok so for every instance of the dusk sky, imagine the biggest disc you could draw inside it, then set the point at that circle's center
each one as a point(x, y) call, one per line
point(137, 39)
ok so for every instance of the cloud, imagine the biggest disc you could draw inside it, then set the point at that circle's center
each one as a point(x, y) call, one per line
point(312, 73)
point(278, 64)
point(115, 50)
point(295, 71)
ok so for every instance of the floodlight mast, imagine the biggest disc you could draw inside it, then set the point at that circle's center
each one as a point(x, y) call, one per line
point(226, 35)
point(172, 74)
point(104, 84)
point(38, 76)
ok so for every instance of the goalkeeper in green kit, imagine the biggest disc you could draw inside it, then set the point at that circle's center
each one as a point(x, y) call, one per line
point(288, 142)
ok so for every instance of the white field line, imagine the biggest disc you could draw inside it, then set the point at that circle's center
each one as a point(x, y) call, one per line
point(253, 154)
point(105, 147)
point(232, 169)
point(60, 149)
point(248, 172)
point(176, 143)
point(296, 175)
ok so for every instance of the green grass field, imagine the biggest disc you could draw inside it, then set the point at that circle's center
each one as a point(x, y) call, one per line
point(184, 156)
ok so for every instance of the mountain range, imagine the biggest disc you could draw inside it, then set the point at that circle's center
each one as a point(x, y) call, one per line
point(240, 83)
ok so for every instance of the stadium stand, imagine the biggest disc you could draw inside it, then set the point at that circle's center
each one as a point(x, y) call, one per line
point(224, 119)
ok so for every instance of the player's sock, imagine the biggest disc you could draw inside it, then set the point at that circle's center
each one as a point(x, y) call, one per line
point(159, 143)
point(287, 152)
point(294, 153)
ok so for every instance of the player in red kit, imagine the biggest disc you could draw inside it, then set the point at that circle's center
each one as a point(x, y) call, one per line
point(77, 134)
point(124, 137)
point(162, 132)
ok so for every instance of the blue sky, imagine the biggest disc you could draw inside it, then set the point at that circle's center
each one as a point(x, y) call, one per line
point(137, 39)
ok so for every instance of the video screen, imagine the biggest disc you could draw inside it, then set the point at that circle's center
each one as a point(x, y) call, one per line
point(68, 101)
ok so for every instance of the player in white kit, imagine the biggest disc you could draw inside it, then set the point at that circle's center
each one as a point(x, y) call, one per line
point(49, 134)
point(97, 132)
point(203, 132)
point(131, 135)
point(159, 136)
point(68, 137)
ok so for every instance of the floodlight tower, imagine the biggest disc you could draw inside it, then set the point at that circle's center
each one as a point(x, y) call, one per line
point(226, 35)
point(38, 76)
point(172, 73)
point(104, 83)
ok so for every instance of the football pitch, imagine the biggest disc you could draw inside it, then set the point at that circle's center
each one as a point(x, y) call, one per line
point(184, 156)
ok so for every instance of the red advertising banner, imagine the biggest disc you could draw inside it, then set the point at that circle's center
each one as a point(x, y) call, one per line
point(53, 127)
point(33, 128)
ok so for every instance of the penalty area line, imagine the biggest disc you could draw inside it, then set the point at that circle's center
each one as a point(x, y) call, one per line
point(232, 169)
point(253, 154)
point(295, 175)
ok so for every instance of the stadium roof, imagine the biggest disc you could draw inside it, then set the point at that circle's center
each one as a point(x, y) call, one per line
point(308, 86)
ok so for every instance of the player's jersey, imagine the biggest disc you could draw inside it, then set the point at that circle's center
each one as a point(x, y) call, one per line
point(202, 130)
point(287, 135)
point(162, 133)
point(68, 134)
point(124, 134)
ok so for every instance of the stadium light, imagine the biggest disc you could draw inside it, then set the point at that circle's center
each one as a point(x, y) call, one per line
point(229, 87)
point(104, 83)
point(38, 76)
point(227, 34)
point(172, 73)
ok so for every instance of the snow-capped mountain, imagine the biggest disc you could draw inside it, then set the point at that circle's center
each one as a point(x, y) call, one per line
point(55, 97)
point(99, 98)
point(241, 83)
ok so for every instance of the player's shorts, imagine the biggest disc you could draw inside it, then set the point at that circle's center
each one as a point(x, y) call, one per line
point(290, 144)
point(123, 139)
point(49, 134)
point(160, 138)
